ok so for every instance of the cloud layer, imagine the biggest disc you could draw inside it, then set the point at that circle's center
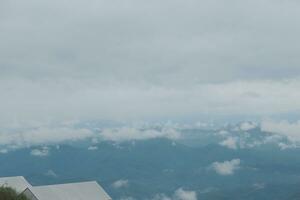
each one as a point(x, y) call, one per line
point(32, 102)
point(42, 136)
point(66, 60)
point(163, 42)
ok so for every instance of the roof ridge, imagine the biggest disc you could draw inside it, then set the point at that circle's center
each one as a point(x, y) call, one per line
point(71, 183)
point(12, 177)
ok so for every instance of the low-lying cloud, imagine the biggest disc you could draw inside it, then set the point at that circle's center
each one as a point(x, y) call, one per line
point(284, 128)
point(179, 194)
point(182, 194)
point(246, 126)
point(51, 173)
point(230, 142)
point(120, 183)
point(42, 152)
point(92, 148)
point(43, 135)
point(227, 167)
point(125, 134)
point(46, 135)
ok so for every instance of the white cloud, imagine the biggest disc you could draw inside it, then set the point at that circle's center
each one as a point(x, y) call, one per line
point(227, 167)
point(230, 142)
point(259, 186)
point(181, 194)
point(284, 128)
point(43, 135)
point(94, 141)
point(126, 102)
point(3, 151)
point(223, 132)
point(126, 133)
point(208, 190)
point(44, 151)
point(246, 126)
point(284, 146)
point(92, 148)
point(201, 125)
point(190, 53)
point(127, 198)
point(46, 74)
point(274, 138)
point(120, 184)
point(161, 197)
point(51, 173)
point(93, 74)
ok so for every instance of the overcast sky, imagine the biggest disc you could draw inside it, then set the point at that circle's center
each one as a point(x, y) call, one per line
point(137, 60)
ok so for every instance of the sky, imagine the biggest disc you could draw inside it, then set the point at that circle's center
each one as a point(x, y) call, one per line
point(131, 60)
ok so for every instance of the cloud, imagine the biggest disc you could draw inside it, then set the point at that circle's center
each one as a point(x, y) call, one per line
point(138, 102)
point(284, 146)
point(126, 133)
point(161, 197)
point(121, 62)
point(43, 135)
point(208, 190)
point(284, 128)
point(51, 173)
point(92, 148)
point(3, 151)
point(179, 194)
point(259, 186)
point(44, 151)
point(120, 183)
point(127, 198)
point(168, 50)
point(230, 142)
point(223, 132)
point(246, 126)
point(227, 167)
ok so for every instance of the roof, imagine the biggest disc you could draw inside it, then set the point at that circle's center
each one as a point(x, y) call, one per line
point(17, 182)
point(71, 191)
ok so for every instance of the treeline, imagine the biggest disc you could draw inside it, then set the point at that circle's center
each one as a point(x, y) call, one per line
point(8, 193)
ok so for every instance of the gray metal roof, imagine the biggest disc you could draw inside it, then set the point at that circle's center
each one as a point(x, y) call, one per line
point(71, 191)
point(17, 182)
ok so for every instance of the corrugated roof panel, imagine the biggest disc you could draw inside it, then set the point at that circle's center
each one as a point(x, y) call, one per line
point(71, 191)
